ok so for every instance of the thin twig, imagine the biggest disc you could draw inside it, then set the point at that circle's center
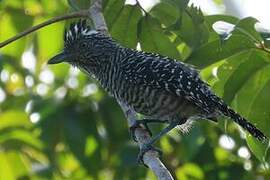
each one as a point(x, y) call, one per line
point(138, 3)
point(78, 14)
point(261, 46)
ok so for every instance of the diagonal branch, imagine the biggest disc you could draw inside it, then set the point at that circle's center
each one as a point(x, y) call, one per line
point(150, 158)
point(78, 14)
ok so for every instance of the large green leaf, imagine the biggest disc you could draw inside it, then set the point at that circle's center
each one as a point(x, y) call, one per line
point(18, 163)
point(166, 13)
point(112, 11)
point(247, 26)
point(6, 169)
point(252, 100)
point(190, 171)
point(125, 27)
point(215, 51)
point(192, 28)
point(152, 39)
point(245, 75)
point(258, 149)
point(16, 48)
point(236, 70)
point(211, 19)
point(19, 137)
point(14, 118)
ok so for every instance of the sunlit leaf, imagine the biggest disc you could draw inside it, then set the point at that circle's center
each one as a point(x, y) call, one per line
point(5, 167)
point(50, 41)
point(14, 118)
point(189, 171)
point(15, 49)
point(20, 137)
point(19, 165)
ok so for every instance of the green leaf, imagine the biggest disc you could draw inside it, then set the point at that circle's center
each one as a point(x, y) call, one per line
point(252, 100)
point(247, 27)
point(247, 75)
point(211, 19)
point(166, 13)
point(112, 11)
point(257, 148)
point(192, 28)
point(215, 51)
point(19, 165)
point(17, 137)
point(16, 48)
point(5, 167)
point(195, 13)
point(124, 30)
point(236, 70)
point(152, 39)
point(14, 118)
point(189, 171)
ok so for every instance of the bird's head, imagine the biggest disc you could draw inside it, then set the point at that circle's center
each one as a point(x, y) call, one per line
point(84, 47)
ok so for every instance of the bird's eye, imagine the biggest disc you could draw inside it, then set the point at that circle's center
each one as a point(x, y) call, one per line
point(84, 45)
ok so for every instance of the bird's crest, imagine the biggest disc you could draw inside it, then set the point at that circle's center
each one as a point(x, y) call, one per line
point(77, 30)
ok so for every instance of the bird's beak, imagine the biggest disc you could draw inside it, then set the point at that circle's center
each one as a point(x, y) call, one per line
point(61, 57)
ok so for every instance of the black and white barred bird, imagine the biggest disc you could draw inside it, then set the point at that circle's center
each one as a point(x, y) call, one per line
point(160, 88)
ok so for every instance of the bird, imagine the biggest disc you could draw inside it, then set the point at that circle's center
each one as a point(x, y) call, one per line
point(161, 89)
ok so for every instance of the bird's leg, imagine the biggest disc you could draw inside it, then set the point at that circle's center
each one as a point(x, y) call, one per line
point(143, 122)
point(149, 145)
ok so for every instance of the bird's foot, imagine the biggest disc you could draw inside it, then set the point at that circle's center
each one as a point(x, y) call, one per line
point(145, 148)
point(137, 124)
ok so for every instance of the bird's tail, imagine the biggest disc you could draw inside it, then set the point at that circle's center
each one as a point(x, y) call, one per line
point(227, 111)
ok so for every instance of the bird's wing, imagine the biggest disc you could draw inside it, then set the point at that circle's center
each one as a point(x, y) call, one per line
point(171, 76)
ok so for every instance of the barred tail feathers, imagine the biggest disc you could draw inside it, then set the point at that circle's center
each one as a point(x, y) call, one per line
point(227, 111)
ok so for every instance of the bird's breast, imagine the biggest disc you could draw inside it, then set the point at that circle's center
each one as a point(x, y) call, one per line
point(156, 103)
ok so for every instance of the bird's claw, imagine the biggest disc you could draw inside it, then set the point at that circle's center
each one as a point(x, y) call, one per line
point(138, 124)
point(145, 148)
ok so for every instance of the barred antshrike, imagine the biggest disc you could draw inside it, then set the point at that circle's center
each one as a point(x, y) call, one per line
point(160, 88)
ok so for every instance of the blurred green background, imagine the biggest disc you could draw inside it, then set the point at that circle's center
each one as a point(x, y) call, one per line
point(56, 123)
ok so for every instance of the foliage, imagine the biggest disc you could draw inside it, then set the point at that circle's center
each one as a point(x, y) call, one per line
point(56, 123)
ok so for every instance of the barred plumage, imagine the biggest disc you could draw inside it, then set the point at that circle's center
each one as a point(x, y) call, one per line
point(153, 85)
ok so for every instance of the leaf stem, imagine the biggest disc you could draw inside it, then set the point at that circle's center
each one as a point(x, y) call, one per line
point(138, 3)
point(77, 14)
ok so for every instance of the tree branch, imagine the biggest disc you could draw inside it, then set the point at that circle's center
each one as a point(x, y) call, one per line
point(150, 158)
point(78, 14)
point(95, 13)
